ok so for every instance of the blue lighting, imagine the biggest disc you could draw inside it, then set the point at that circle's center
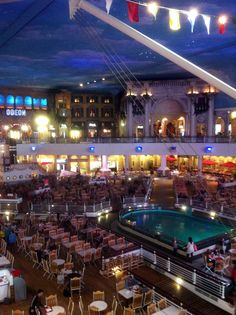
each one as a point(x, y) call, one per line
point(28, 100)
point(44, 102)
point(33, 148)
point(36, 102)
point(208, 149)
point(2, 100)
point(10, 100)
point(139, 149)
point(92, 149)
point(19, 100)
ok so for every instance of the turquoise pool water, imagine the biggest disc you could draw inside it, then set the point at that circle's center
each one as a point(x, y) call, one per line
point(168, 224)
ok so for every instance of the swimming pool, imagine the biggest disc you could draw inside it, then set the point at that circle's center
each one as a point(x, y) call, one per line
point(167, 224)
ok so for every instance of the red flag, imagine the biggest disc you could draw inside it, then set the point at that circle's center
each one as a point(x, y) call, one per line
point(221, 28)
point(222, 22)
point(133, 11)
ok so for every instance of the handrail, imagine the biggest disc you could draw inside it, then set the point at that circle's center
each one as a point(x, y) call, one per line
point(154, 139)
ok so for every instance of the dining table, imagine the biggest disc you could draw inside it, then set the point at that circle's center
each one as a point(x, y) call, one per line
point(169, 310)
point(55, 310)
point(4, 262)
point(83, 252)
point(100, 305)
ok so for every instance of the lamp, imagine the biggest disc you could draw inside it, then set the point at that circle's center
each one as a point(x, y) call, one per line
point(139, 149)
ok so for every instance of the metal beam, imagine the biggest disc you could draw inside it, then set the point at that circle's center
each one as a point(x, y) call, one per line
point(158, 48)
point(27, 16)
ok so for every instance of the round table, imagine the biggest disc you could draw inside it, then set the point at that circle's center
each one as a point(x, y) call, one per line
point(27, 238)
point(59, 262)
point(100, 305)
point(56, 310)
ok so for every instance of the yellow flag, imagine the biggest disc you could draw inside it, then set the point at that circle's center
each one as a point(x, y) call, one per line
point(174, 20)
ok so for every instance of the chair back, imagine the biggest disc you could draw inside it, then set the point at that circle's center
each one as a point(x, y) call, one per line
point(81, 305)
point(75, 283)
point(162, 304)
point(17, 312)
point(98, 296)
point(151, 309)
point(137, 301)
point(114, 305)
point(51, 300)
point(148, 297)
point(93, 310)
point(128, 311)
point(182, 312)
point(120, 285)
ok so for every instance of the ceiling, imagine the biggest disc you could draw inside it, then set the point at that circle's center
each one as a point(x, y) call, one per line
point(51, 51)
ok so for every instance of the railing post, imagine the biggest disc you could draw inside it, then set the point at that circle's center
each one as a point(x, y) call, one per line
point(49, 208)
point(101, 205)
point(168, 264)
point(103, 263)
point(221, 208)
point(67, 208)
point(194, 276)
point(155, 258)
point(191, 201)
point(141, 250)
point(206, 205)
point(84, 208)
point(94, 208)
point(223, 291)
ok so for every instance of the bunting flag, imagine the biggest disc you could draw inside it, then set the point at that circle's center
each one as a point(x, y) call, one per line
point(221, 22)
point(207, 21)
point(174, 20)
point(133, 12)
point(152, 8)
point(73, 7)
point(192, 15)
point(108, 5)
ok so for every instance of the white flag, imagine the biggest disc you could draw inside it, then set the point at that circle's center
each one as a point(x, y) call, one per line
point(74, 6)
point(207, 21)
point(108, 5)
point(192, 15)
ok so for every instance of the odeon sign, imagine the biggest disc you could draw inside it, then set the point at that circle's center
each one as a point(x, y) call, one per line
point(16, 112)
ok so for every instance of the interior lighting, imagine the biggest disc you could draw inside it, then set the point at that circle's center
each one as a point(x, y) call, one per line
point(139, 149)
point(152, 8)
point(92, 149)
point(6, 127)
point(184, 207)
point(212, 214)
point(42, 120)
point(81, 84)
point(103, 79)
point(179, 281)
point(233, 115)
point(24, 128)
point(208, 149)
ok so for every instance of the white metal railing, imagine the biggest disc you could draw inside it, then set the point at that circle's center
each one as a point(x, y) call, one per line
point(89, 210)
point(210, 285)
point(134, 200)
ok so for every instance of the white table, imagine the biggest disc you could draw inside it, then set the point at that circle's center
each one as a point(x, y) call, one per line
point(27, 238)
point(83, 252)
point(56, 310)
point(4, 262)
point(170, 310)
point(4, 288)
point(127, 294)
point(59, 262)
point(100, 305)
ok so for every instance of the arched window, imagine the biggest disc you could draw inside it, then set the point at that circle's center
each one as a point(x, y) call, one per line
point(10, 100)
point(28, 102)
point(44, 103)
point(19, 102)
point(2, 101)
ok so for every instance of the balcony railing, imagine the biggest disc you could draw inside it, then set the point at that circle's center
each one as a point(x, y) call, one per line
point(185, 139)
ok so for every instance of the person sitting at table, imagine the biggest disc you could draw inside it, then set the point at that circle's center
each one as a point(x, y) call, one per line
point(37, 306)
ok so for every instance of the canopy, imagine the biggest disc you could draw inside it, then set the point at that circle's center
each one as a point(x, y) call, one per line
point(209, 162)
point(171, 158)
point(229, 164)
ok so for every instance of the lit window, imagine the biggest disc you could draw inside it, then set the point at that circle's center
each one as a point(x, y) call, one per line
point(28, 102)
point(10, 101)
point(44, 103)
point(2, 101)
point(19, 101)
point(36, 102)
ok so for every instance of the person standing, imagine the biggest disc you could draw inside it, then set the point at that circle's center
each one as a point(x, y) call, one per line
point(190, 248)
point(37, 306)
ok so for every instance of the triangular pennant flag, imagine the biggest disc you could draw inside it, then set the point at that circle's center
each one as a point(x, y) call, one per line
point(222, 21)
point(133, 11)
point(207, 21)
point(192, 15)
point(152, 8)
point(108, 5)
point(174, 20)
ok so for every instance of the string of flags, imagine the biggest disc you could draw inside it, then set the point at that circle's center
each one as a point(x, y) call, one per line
point(174, 15)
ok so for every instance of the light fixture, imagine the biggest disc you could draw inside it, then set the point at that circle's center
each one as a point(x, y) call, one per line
point(88, 83)
point(92, 149)
point(139, 149)
point(24, 128)
point(33, 148)
point(103, 79)
point(179, 280)
point(184, 207)
point(208, 149)
point(6, 127)
point(42, 120)
point(94, 81)
point(81, 84)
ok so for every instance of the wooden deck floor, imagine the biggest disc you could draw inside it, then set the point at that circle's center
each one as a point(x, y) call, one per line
point(94, 281)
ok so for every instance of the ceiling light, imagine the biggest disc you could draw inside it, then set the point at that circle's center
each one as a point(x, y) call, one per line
point(103, 79)
point(88, 83)
point(81, 84)
point(94, 81)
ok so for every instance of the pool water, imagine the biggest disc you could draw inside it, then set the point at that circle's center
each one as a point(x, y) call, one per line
point(168, 224)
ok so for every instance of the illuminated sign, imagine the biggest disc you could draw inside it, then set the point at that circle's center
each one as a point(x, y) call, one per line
point(93, 125)
point(16, 112)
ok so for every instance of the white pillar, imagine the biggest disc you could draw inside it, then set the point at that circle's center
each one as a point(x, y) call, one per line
point(130, 118)
point(193, 120)
point(104, 162)
point(163, 168)
point(210, 125)
point(147, 115)
point(199, 165)
point(126, 163)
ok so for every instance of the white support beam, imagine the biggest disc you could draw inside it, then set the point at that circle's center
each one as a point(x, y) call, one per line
point(155, 46)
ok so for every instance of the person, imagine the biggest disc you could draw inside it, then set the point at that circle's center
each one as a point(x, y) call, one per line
point(175, 246)
point(190, 248)
point(224, 245)
point(37, 306)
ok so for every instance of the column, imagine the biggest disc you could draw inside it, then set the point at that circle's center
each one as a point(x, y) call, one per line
point(104, 163)
point(227, 122)
point(126, 163)
point(211, 118)
point(199, 165)
point(130, 118)
point(193, 120)
point(147, 115)
point(163, 168)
